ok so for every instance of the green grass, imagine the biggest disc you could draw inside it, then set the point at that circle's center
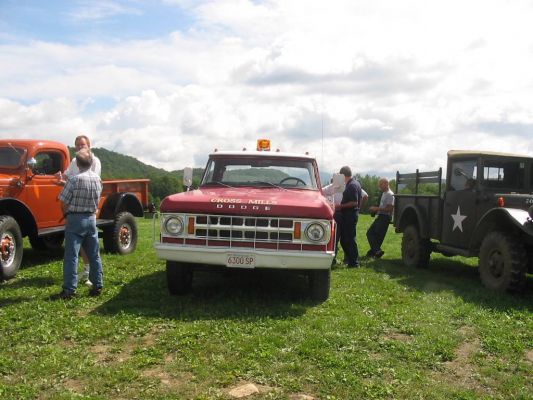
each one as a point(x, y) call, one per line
point(386, 332)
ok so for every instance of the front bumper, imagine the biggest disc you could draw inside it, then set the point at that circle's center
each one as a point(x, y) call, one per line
point(263, 258)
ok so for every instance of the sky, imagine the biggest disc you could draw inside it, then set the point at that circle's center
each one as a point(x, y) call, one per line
point(380, 86)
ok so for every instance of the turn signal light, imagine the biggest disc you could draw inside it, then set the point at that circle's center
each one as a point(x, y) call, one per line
point(297, 230)
point(501, 202)
point(190, 226)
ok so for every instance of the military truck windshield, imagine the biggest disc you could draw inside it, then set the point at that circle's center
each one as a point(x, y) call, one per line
point(11, 157)
point(260, 172)
point(504, 174)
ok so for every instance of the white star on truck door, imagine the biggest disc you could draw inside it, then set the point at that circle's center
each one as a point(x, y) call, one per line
point(458, 219)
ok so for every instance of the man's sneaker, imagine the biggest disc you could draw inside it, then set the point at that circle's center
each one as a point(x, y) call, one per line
point(95, 292)
point(379, 254)
point(63, 295)
point(88, 283)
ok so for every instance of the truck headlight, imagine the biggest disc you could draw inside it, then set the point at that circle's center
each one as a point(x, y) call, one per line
point(174, 225)
point(315, 232)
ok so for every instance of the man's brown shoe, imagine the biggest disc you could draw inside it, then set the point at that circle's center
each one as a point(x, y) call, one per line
point(63, 295)
point(95, 292)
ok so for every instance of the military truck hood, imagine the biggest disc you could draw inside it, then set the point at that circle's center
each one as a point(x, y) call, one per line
point(250, 201)
point(515, 200)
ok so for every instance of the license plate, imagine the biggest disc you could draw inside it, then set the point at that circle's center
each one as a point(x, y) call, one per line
point(240, 261)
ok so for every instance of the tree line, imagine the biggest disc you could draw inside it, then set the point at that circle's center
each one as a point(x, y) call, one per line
point(164, 183)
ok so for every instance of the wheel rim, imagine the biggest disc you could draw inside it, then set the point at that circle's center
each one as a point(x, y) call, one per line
point(496, 263)
point(124, 236)
point(8, 249)
point(411, 247)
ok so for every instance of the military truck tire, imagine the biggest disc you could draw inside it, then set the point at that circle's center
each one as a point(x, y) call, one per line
point(319, 283)
point(50, 242)
point(415, 250)
point(502, 262)
point(179, 278)
point(121, 237)
point(11, 247)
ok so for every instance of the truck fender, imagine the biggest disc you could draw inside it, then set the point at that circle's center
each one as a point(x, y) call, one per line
point(503, 219)
point(21, 213)
point(118, 202)
point(412, 214)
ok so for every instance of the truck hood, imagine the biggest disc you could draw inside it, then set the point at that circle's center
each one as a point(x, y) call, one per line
point(250, 201)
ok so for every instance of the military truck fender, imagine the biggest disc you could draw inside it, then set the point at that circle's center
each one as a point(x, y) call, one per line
point(413, 215)
point(119, 202)
point(20, 213)
point(502, 219)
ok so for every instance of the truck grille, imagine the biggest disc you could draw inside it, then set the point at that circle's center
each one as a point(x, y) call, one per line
point(221, 227)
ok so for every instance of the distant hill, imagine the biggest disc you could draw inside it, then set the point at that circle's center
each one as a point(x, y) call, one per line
point(162, 182)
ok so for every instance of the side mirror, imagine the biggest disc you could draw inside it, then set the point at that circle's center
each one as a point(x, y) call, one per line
point(31, 163)
point(187, 177)
point(338, 182)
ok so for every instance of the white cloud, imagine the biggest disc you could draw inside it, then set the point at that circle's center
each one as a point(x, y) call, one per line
point(376, 85)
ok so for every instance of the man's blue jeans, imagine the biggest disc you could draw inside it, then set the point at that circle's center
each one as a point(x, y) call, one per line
point(80, 231)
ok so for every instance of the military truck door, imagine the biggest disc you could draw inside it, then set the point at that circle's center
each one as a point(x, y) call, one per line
point(459, 212)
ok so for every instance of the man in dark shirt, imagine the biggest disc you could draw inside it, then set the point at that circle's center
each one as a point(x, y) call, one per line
point(349, 211)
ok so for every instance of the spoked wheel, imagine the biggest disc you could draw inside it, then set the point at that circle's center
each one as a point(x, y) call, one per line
point(121, 238)
point(10, 247)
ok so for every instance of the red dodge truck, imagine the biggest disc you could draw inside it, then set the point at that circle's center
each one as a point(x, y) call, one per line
point(253, 209)
point(29, 204)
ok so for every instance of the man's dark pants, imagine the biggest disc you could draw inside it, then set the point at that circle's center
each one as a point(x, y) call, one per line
point(377, 231)
point(348, 237)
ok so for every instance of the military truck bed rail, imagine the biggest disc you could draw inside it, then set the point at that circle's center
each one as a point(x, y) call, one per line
point(419, 178)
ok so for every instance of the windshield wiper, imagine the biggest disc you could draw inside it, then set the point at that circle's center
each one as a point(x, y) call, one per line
point(268, 183)
point(219, 183)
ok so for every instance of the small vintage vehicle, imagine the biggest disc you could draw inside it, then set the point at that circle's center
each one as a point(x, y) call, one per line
point(29, 204)
point(485, 211)
point(253, 209)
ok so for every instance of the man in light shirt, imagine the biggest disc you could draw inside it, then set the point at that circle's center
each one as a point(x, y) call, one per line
point(377, 231)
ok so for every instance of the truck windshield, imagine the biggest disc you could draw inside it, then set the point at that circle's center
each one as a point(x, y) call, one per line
point(11, 157)
point(261, 172)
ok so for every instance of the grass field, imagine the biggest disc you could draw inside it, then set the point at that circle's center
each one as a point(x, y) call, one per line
point(386, 332)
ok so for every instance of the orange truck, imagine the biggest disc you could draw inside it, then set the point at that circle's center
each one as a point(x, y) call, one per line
point(29, 204)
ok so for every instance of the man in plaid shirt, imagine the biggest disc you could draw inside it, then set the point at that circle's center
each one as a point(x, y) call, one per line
point(79, 201)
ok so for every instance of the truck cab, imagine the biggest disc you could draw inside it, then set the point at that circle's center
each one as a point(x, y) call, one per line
point(485, 211)
point(29, 204)
point(253, 209)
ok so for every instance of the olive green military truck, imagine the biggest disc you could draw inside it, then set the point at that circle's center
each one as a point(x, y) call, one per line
point(484, 209)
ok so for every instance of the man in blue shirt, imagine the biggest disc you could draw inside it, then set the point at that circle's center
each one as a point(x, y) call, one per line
point(349, 211)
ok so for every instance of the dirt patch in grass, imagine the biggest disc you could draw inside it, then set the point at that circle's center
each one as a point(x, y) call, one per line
point(74, 385)
point(401, 337)
point(529, 356)
point(460, 371)
point(172, 382)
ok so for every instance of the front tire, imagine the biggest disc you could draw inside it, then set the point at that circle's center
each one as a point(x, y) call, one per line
point(10, 247)
point(415, 250)
point(179, 278)
point(319, 284)
point(502, 262)
point(121, 238)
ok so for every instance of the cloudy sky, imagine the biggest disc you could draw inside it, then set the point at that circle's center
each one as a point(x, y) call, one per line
point(377, 85)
